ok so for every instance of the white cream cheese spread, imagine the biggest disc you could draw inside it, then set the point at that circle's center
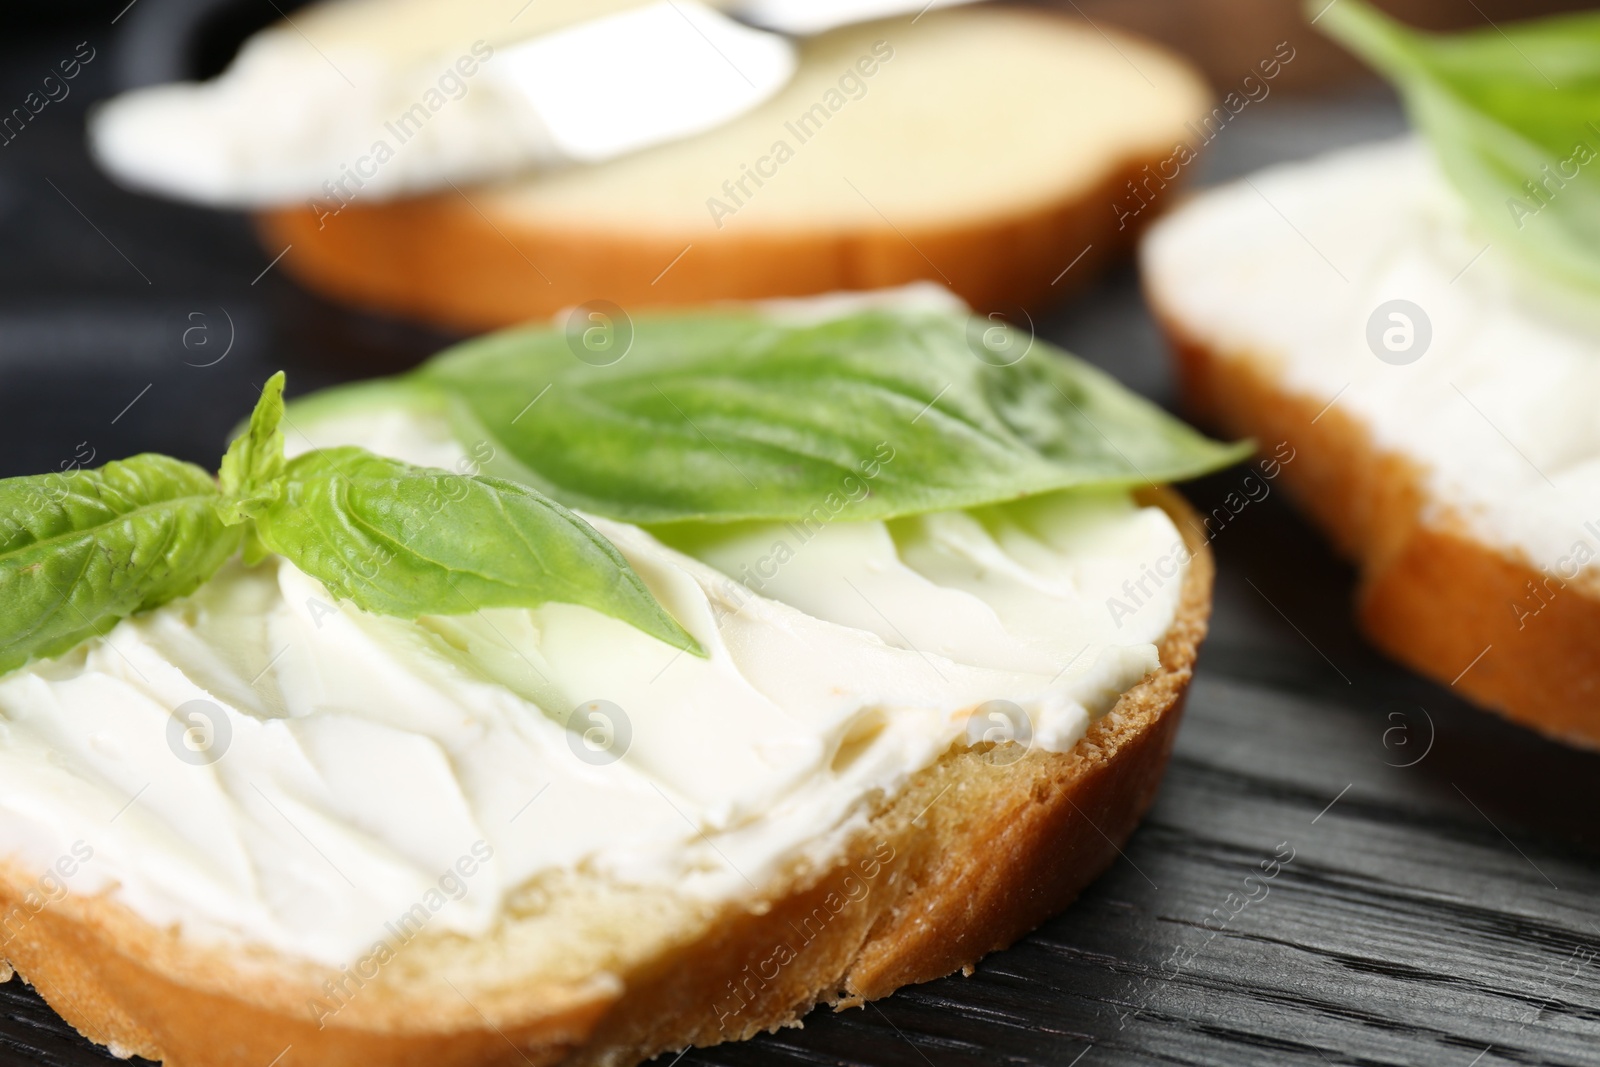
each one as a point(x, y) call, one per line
point(352, 101)
point(1490, 381)
point(348, 764)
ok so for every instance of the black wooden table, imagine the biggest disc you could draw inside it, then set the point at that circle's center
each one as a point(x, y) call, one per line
point(1436, 897)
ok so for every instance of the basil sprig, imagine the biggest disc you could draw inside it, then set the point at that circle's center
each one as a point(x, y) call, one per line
point(81, 550)
point(713, 417)
point(733, 416)
point(1513, 115)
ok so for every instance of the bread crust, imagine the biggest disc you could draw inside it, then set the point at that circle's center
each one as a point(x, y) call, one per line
point(437, 259)
point(976, 851)
point(1472, 616)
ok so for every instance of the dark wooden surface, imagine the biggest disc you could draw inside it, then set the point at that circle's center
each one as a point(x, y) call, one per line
point(1446, 912)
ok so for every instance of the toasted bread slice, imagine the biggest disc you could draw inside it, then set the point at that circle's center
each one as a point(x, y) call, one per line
point(974, 852)
point(986, 149)
point(1455, 478)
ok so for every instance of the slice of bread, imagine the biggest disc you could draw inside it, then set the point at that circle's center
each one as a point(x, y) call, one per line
point(974, 852)
point(984, 148)
point(1461, 475)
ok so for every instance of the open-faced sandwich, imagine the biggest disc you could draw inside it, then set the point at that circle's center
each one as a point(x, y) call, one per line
point(482, 163)
point(578, 696)
point(1421, 320)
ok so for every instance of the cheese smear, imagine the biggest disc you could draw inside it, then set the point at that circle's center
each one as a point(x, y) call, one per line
point(349, 766)
point(1491, 390)
point(361, 101)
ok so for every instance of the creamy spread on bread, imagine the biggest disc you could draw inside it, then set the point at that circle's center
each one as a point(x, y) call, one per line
point(1492, 391)
point(357, 765)
point(355, 101)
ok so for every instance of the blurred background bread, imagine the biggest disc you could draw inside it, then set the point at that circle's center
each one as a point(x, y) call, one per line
point(1008, 183)
point(899, 152)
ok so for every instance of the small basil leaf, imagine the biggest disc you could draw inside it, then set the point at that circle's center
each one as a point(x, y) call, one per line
point(80, 551)
point(1513, 115)
point(729, 416)
point(407, 541)
point(254, 461)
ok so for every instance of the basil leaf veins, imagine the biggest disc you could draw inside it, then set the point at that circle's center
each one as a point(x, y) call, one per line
point(402, 540)
point(81, 550)
point(732, 416)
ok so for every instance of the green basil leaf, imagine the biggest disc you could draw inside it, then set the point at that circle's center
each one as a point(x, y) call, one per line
point(407, 541)
point(253, 464)
point(79, 551)
point(1513, 116)
point(734, 416)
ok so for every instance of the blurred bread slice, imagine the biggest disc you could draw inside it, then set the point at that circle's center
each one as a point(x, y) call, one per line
point(1452, 453)
point(983, 148)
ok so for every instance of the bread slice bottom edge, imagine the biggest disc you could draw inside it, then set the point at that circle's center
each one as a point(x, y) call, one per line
point(439, 260)
point(975, 852)
point(1470, 615)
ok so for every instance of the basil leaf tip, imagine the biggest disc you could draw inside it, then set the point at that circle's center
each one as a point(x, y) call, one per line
point(403, 540)
point(253, 465)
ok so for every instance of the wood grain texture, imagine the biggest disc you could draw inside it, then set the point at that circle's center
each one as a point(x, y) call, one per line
point(1446, 913)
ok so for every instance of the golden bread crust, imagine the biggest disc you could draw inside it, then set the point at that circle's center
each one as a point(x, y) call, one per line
point(437, 259)
point(1447, 605)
